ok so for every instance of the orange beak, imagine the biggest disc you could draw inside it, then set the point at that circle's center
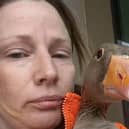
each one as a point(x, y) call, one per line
point(116, 80)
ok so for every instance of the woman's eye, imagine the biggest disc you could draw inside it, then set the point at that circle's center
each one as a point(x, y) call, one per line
point(17, 54)
point(61, 55)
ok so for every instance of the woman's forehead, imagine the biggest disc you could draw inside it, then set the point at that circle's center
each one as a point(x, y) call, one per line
point(21, 8)
point(15, 16)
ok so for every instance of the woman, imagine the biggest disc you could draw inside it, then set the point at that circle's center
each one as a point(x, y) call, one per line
point(36, 66)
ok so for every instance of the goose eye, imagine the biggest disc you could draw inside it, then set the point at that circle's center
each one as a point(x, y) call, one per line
point(99, 54)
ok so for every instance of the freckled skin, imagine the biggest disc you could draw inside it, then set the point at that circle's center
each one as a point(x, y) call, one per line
point(34, 46)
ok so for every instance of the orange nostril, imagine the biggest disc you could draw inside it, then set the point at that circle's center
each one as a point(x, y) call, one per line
point(120, 76)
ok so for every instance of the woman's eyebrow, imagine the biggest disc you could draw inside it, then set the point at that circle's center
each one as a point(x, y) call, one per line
point(60, 41)
point(28, 40)
point(21, 37)
point(17, 39)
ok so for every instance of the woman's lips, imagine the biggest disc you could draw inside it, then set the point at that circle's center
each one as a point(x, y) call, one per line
point(47, 102)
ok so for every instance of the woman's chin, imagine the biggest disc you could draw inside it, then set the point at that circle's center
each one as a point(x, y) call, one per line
point(39, 120)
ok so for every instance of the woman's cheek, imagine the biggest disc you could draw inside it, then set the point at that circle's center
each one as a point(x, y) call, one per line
point(66, 77)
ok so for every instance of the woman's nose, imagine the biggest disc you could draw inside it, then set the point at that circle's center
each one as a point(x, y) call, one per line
point(45, 72)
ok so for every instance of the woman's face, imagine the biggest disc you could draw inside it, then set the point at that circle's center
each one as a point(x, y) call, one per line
point(36, 67)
